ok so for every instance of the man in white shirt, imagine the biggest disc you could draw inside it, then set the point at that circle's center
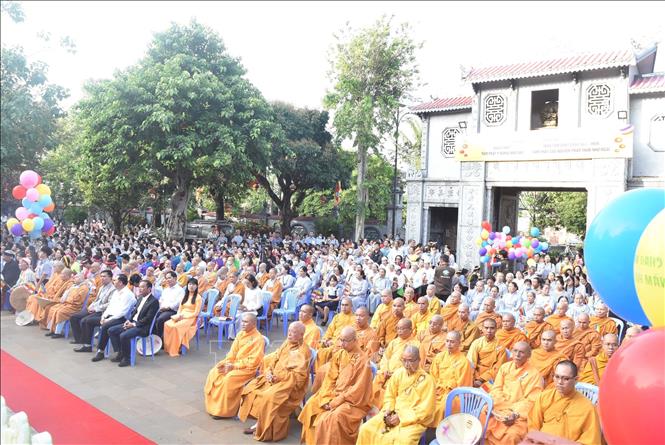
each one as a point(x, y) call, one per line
point(82, 324)
point(169, 301)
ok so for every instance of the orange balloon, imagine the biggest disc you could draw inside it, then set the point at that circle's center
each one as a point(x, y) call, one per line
point(50, 207)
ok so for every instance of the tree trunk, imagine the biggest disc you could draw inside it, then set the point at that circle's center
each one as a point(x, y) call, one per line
point(218, 196)
point(116, 217)
point(362, 193)
point(175, 226)
point(286, 213)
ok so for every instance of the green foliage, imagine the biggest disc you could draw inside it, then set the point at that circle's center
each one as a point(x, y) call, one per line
point(410, 142)
point(372, 70)
point(74, 215)
point(59, 167)
point(556, 209)
point(326, 225)
point(14, 10)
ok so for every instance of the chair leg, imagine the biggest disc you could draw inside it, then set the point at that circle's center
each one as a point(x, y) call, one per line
point(132, 353)
point(66, 329)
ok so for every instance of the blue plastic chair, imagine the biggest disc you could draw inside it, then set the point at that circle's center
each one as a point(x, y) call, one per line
point(287, 307)
point(96, 329)
point(374, 369)
point(157, 292)
point(267, 298)
point(223, 326)
point(84, 310)
point(210, 298)
point(266, 343)
point(620, 326)
point(6, 306)
point(472, 401)
point(589, 391)
point(132, 354)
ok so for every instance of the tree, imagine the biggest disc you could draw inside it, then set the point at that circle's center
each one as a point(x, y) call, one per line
point(187, 109)
point(411, 142)
point(556, 209)
point(372, 70)
point(302, 160)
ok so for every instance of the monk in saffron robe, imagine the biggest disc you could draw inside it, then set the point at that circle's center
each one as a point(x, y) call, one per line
point(587, 336)
point(225, 381)
point(570, 346)
point(312, 331)
point(536, 327)
point(434, 305)
point(463, 324)
point(410, 305)
point(67, 283)
point(450, 369)
point(508, 335)
point(273, 285)
point(595, 367)
point(391, 360)
point(72, 304)
point(564, 412)
point(383, 309)
point(366, 338)
point(547, 357)
point(341, 320)
point(223, 280)
point(558, 316)
point(432, 341)
point(631, 333)
point(518, 383)
point(408, 406)
point(489, 304)
point(272, 396)
point(333, 414)
point(62, 282)
point(601, 322)
point(449, 311)
point(421, 318)
point(388, 327)
point(486, 355)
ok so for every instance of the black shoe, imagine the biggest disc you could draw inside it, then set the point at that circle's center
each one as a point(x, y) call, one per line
point(248, 431)
point(99, 356)
point(117, 358)
point(83, 349)
point(48, 334)
point(57, 336)
point(124, 363)
point(217, 417)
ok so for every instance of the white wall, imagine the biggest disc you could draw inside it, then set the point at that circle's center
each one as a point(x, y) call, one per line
point(438, 166)
point(647, 162)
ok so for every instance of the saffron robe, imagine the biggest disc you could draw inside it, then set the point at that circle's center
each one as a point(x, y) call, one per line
point(380, 313)
point(589, 375)
point(430, 346)
point(387, 329)
point(421, 321)
point(449, 371)
point(339, 322)
point(434, 306)
point(391, 362)
point(508, 338)
point(534, 330)
point(61, 312)
point(573, 349)
point(486, 357)
point(178, 333)
point(546, 362)
point(482, 316)
point(604, 325)
point(591, 341)
point(44, 312)
point(467, 329)
point(312, 334)
point(449, 313)
point(555, 320)
point(410, 308)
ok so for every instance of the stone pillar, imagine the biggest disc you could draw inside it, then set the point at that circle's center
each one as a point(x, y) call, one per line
point(608, 180)
point(472, 200)
point(414, 192)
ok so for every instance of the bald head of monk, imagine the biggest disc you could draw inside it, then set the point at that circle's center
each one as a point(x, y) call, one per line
point(610, 344)
point(58, 266)
point(398, 307)
point(488, 305)
point(453, 341)
point(423, 305)
point(562, 308)
point(602, 310)
point(539, 314)
point(409, 294)
point(347, 338)
point(454, 298)
point(583, 321)
point(248, 322)
point(463, 312)
point(404, 328)
point(435, 324)
point(565, 377)
point(548, 340)
point(508, 322)
point(521, 353)
point(296, 333)
point(411, 359)
point(306, 313)
point(567, 327)
point(631, 333)
point(489, 328)
point(346, 305)
point(386, 297)
point(66, 273)
point(362, 317)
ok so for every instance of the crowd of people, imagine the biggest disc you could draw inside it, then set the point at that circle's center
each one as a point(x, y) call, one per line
point(404, 326)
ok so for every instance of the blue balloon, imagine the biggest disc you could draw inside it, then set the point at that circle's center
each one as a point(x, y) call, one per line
point(610, 245)
point(45, 201)
point(44, 215)
point(26, 203)
point(39, 223)
point(535, 231)
point(35, 234)
point(35, 208)
point(544, 246)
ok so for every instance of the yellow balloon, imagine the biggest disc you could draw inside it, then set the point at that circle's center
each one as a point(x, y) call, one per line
point(28, 224)
point(649, 270)
point(11, 222)
point(43, 189)
point(479, 242)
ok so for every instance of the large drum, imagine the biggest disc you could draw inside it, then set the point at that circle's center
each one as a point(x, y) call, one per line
point(459, 429)
point(19, 298)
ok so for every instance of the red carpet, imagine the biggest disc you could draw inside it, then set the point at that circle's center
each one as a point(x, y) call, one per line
point(50, 407)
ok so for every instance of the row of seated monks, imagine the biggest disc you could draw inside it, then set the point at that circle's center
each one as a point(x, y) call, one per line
point(386, 380)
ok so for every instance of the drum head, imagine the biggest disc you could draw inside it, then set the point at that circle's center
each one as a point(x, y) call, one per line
point(156, 340)
point(19, 298)
point(460, 429)
point(24, 318)
point(43, 302)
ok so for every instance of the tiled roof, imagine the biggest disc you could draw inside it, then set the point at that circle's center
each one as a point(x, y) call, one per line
point(445, 104)
point(649, 84)
point(571, 64)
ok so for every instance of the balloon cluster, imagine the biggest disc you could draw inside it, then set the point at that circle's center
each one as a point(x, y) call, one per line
point(32, 217)
point(490, 243)
point(625, 259)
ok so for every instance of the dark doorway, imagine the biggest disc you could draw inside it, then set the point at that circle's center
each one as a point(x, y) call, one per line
point(443, 226)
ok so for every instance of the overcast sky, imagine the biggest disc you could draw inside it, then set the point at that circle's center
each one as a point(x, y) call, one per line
point(283, 45)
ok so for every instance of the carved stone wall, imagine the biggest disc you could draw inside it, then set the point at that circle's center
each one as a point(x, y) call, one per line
point(442, 193)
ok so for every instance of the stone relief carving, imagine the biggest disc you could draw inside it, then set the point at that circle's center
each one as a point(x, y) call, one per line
point(413, 192)
point(468, 247)
point(495, 110)
point(441, 193)
point(609, 168)
point(471, 205)
point(414, 174)
point(412, 217)
point(448, 138)
point(471, 171)
point(556, 170)
point(599, 100)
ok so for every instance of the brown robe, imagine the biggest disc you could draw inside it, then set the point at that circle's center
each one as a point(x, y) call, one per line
point(73, 304)
point(591, 341)
point(534, 330)
point(573, 349)
point(430, 346)
point(467, 329)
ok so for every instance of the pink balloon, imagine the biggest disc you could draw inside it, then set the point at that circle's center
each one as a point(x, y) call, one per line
point(29, 179)
point(22, 213)
point(32, 194)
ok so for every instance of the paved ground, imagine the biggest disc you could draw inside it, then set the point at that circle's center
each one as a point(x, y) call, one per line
point(161, 399)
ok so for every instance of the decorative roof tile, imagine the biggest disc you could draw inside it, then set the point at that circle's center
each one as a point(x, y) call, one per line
point(444, 104)
point(562, 65)
point(648, 84)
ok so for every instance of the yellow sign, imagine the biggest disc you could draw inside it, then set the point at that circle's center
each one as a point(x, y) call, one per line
point(546, 144)
point(649, 270)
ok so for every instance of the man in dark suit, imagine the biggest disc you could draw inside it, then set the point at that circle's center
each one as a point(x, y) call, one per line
point(138, 324)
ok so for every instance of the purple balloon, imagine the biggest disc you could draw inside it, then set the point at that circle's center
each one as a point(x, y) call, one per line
point(534, 243)
point(48, 223)
point(17, 230)
point(492, 235)
point(511, 255)
point(482, 252)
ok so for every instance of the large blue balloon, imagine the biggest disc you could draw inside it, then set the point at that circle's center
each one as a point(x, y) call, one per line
point(610, 245)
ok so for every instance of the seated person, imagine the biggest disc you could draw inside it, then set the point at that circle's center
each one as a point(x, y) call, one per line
point(328, 300)
point(595, 366)
point(486, 355)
